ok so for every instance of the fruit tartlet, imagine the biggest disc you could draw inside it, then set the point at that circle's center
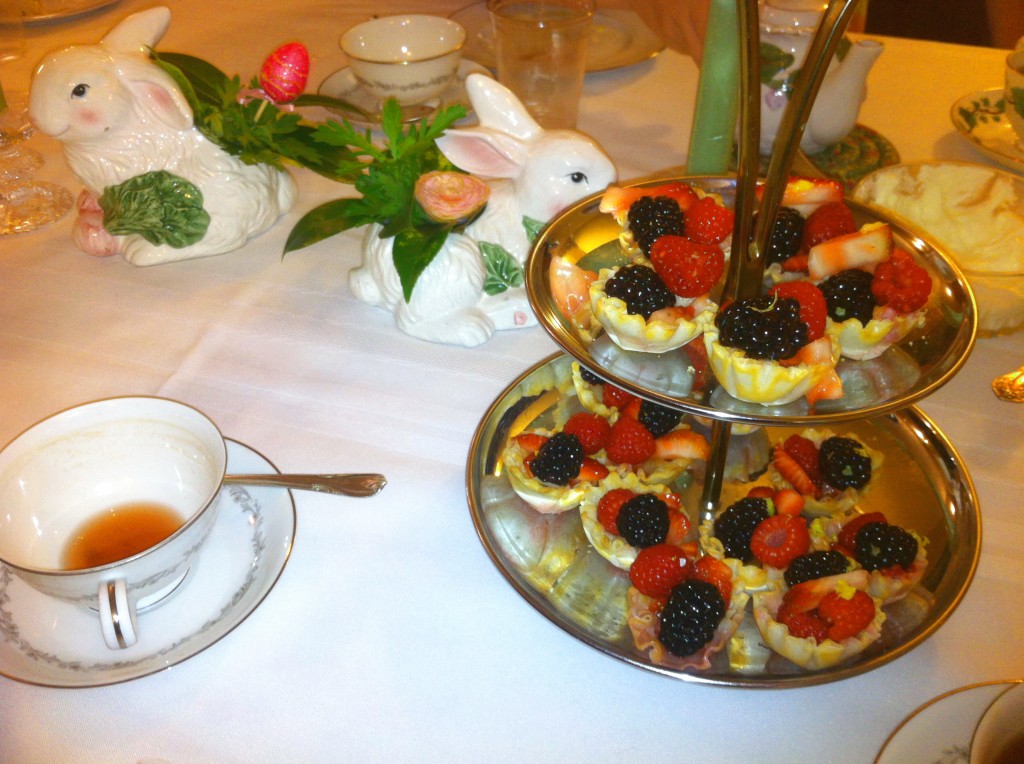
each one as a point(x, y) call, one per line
point(894, 557)
point(622, 515)
point(550, 470)
point(682, 609)
point(831, 472)
point(728, 538)
point(822, 622)
point(762, 350)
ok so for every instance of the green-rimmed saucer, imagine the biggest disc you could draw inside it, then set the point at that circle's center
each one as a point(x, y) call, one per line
point(980, 117)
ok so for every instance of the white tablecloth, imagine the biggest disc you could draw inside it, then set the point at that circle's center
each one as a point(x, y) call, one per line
point(391, 636)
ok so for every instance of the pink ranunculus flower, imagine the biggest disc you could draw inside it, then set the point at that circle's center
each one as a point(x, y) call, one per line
point(448, 197)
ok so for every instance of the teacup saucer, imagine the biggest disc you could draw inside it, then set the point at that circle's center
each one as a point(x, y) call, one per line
point(342, 84)
point(55, 644)
point(942, 728)
point(980, 117)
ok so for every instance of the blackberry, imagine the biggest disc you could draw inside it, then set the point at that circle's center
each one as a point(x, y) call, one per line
point(786, 236)
point(641, 289)
point(763, 327)
point(848, 295)
point(736, 525)
point(559, 460)
point(690, 617)
point(812, 565)
point(651, 217)
point(658, 419)
point(844, 464)
point(590, 377)
point(881, 545)
point(643, 520)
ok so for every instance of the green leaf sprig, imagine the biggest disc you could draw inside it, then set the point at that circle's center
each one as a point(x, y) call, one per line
point(386, 180)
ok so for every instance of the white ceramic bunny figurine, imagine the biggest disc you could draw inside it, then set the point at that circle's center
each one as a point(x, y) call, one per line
point(120, 116)
point(533, 174)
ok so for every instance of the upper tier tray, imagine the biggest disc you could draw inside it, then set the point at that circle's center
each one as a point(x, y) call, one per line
point(906, 372)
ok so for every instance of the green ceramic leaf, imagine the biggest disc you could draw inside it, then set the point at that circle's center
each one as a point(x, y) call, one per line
point(503, 270)
point(1017, 95)
point(161, 207)
point(533, 228)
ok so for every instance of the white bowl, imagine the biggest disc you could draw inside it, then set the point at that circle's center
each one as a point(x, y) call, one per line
point(975, 213)
point(412, 58)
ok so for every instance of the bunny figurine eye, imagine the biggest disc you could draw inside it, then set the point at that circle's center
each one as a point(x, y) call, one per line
point(578, 177)
point(79, 91)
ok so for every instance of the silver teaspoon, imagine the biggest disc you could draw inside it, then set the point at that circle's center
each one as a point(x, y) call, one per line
point(358, 484)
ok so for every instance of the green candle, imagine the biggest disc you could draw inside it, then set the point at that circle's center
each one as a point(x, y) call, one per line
point(714, 118)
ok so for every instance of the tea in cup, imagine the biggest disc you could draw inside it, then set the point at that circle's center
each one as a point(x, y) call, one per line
point(107, 505)
point(412, 58)
point(1013, 92)
point(999, 736)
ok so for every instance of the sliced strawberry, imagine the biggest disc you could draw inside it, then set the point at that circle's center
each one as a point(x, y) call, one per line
point(697, 354)
point(531, 441)
point(780, 539)
point(672, 500)
point(632, 408)
point(864, 249)
point(673, 315)
point(805, 454)
point(678, 527)
point(708, 222)
point(787, 501)
point(569, 285)
point(618, 199)
point(791, 471)
point(657, 569)
point(714, 572)
point(795, 264)
point(608, 508)
point(807, 194)
point(846, 616)
point(817, 352)
point(829, 221)
point(760, 492)
point(828, 388)
point(591, 471)
point(813, 308)
point(682, 444)
point(688, 268)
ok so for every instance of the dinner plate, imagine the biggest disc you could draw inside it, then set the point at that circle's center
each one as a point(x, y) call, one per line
point(342, 84)
point(47, 11)
point(923, 485)
point(618, 38)
point(909, 370)
point(980, 117)
point(47, 642)
point(941, 730)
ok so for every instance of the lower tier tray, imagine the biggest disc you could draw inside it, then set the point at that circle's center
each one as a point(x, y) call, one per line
point(548, 560)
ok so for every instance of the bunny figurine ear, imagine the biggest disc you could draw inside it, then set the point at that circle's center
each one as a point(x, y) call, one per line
point(139, 32)
point(498, 107)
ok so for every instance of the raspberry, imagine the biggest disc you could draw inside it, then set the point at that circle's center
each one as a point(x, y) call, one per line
point(616, 397)
point(736, 525)
point(803, 625)
point(659, 420)
point(818, 564)
point(779, 540)
point(657, 569)
point(641, 289)
point(764, 327)
point(591, 430)
point(651, 217)
point(848, 295)
point(880, 545)
point(846, 617)
point(629, 442)
point(846, 542)
point(688, 268)
point(643, 520)
point(813, 309)
point(608, 508)
point(844, 464)
point(690, 617)
point(901, 283)
point(827, 222)
point(559, 460)
point(787, 235)
point(708, 222)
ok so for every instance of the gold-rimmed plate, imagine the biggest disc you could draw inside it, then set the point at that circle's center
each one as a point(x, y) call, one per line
point(548, 561)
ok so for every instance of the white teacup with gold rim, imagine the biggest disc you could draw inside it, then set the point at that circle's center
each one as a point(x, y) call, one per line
point(108, 504)
point(412, 58)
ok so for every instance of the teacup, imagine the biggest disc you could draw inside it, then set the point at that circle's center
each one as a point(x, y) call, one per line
point(999, 736)
point(108, 504)
point(411, 58)
point(1013, 92)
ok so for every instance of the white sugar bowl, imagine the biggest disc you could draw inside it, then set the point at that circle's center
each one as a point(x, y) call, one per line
point(412, 58)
